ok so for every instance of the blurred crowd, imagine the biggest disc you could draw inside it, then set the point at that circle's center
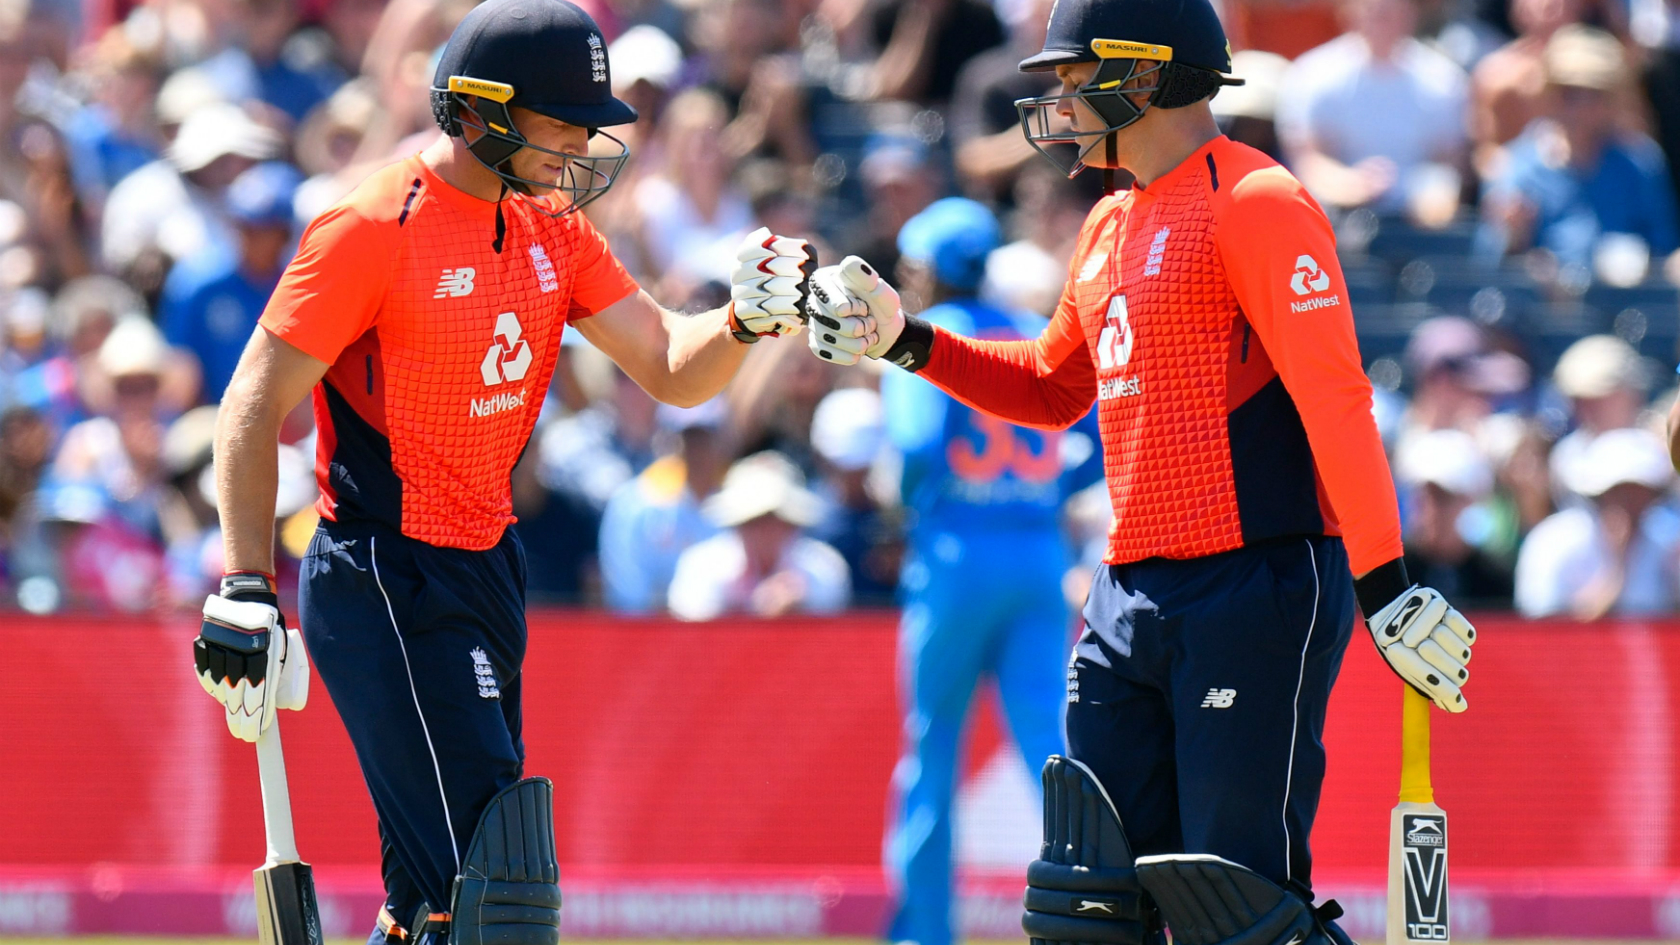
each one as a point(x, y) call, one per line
point(1502, 174)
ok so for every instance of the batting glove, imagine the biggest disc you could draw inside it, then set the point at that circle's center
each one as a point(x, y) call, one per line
point(767, 289)
point(884, 332)
point(246, 658)
point(842, 328)
point(1425, 641)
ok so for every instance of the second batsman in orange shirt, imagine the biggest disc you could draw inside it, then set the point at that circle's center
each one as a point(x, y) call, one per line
point(425, 311)
point(1206, 315)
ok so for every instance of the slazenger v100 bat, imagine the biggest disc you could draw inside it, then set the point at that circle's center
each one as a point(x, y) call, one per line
point(1417, 839)
point(287, 913)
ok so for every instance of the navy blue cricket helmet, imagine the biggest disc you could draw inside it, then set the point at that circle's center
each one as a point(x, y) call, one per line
point(1183, 38)
point(544, 55)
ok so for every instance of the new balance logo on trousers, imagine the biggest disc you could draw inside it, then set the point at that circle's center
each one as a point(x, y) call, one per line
point(1219, 698)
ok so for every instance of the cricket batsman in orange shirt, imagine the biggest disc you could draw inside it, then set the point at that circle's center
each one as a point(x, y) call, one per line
point(1206, 315)
point(424, 312)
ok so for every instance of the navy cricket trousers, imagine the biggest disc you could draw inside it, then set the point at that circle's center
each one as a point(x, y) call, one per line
point(1197, 694)
point(420, 648)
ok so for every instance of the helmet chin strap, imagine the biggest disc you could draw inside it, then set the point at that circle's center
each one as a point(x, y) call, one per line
point(1108, 167)
point(501, 221)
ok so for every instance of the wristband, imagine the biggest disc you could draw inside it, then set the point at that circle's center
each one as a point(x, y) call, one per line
point(738, 330)
point(914, 345)
point(1382, 586)
point(250, 585)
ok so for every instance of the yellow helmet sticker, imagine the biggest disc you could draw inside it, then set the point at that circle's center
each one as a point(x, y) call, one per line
point(1125, 49)
point(494, 91)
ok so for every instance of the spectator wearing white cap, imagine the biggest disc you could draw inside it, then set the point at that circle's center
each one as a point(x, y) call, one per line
point(1616, 555)
point(1605, 382)
point(1445, 476)
point(653, 518)
point(762, 563)
point(649, 60)
point(212, 300)
point(173, 206)
point(848, 432)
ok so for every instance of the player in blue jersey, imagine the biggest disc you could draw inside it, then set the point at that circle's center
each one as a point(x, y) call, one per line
point(982, 576)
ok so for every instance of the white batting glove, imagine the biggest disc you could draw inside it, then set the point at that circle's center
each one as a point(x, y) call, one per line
point(250, 663)
point(1427, 643)
point(767, 288)
point(841, 327)
point(859, 281)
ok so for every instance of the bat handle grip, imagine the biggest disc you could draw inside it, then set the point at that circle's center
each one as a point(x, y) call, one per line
point(1415, 786)
point(277, 804)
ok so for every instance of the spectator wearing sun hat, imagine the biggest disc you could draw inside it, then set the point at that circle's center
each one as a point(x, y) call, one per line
point(173, 205)
point(1604, 380)
point(762, 563)
point(212, 300)
point(1576, 173)
point(1617, 553)
point(118, 454)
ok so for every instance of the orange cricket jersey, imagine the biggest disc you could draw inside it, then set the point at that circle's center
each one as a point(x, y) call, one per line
point(441, 348)
point(1207, 315)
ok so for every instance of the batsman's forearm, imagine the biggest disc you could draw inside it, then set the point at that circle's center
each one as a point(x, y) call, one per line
point(247, 478)
point(1012, 380)
point(701, 358)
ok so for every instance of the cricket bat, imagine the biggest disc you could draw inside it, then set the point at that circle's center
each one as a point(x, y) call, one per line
point(287, 913)
point(1417, 838)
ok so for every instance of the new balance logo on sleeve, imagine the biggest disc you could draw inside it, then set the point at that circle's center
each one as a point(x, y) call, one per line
point(1219, 699)
point(455, 283)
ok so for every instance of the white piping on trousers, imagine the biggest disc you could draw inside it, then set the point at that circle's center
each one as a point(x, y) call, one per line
point(1294, 728)
point(448, 823)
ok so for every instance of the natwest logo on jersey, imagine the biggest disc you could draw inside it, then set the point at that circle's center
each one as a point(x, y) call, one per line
point(1307, 279)
point(509, 356)
point(1114, 351)
point(1114, 345)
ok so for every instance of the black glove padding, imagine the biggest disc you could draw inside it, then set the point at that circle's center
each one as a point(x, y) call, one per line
point(230, 653)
